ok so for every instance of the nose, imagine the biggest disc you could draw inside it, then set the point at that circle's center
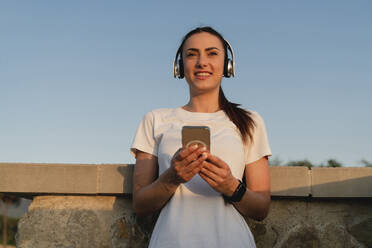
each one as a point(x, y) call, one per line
point(202, 61)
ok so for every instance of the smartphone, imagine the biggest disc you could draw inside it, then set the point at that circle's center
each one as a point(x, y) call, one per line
point(199, 135)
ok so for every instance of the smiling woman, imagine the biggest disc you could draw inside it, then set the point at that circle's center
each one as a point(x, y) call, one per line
point(203, 194)
point(203, 63)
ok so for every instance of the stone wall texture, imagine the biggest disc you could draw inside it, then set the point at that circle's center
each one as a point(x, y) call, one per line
point(108, 221)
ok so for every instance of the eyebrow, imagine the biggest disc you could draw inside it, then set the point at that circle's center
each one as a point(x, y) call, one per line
point(207, 49)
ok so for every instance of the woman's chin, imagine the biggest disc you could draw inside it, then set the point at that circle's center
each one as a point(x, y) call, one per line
point(202, 88)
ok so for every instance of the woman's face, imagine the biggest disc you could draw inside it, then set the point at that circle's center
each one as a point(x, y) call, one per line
point(203, 61)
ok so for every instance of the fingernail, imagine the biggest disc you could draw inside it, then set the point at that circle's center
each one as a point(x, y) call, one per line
point(194, 147)
point(203, 148)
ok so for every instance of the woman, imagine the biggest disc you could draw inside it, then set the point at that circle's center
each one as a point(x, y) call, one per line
point(203, 195)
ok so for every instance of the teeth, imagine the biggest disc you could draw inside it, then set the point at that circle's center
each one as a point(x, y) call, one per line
point(202, 74)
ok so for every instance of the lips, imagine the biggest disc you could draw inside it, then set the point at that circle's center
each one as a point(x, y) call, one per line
point(202, 74)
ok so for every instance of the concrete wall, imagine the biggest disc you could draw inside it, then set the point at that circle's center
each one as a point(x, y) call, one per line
point(85, 205)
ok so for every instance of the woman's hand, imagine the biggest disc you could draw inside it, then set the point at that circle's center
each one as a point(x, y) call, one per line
point(186, 163)
point(151, 193)
point(218, 175)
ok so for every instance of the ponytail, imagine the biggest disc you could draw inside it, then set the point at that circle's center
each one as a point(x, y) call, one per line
point(240, 117)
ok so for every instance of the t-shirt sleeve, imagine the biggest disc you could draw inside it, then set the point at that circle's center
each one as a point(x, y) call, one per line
point(259, 147)
point(144, 139)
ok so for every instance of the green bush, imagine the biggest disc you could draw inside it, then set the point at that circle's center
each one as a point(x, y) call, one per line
point(305, 162)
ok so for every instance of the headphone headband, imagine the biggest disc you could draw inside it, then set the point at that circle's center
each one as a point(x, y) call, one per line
point(229, 67)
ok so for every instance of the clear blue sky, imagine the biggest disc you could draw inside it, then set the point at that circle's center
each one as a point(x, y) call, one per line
point(76, 77)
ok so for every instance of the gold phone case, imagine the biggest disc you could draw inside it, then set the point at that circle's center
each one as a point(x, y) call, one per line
point(199, 135)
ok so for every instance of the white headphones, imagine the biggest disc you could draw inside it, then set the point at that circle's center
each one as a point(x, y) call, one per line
point(228, 69)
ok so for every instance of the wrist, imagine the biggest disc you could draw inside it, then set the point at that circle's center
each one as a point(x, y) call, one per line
point(237, 195)
point(233, 186)
point(169, 180)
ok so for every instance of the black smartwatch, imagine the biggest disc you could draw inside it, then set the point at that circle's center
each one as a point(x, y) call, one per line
point(238, 193)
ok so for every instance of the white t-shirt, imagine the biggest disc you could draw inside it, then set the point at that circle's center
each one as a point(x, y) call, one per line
point(196, 215)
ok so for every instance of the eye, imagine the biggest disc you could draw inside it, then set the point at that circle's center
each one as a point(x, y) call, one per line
point(190, 54)
point(213, 53)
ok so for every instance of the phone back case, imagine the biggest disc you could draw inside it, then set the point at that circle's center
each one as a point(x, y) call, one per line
point(199, 135)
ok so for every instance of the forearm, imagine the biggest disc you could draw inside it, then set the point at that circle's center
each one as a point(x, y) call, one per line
point(154, 196)
point(254, 204)
point(151, 194)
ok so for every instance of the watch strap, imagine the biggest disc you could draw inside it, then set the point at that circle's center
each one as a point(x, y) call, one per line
point(238, 193)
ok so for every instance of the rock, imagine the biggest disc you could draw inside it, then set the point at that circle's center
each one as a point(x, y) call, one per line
point(333, 235)
point(362, 231)
point(263, 233)
point(127, 233)
point(66, 221)
point(301, 236)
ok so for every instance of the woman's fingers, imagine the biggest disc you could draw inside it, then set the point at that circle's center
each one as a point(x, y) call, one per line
point(213, 172)
point(188, 162)
point(217, 174)
point(208, 180)
point(182, 153)
point(188, 155)
point(196, 165)
point(217, 161)
point(193, 156)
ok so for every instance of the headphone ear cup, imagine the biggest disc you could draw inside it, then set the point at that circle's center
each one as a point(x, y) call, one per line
point(225, 68)
point(180, 69)
point(228, 70)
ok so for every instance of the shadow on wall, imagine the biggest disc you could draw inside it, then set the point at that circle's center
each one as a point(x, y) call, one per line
point(357, 187)
point(337, 214)
point(126, 172)
point(315, 222)
point(129, 229)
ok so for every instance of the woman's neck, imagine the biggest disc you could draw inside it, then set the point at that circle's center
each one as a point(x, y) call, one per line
point(205, 103)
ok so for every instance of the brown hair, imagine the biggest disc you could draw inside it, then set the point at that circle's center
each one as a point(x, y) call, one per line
point(239, 116)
